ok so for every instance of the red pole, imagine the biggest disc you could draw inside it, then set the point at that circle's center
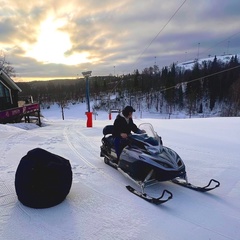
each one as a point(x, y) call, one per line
point(89, 119)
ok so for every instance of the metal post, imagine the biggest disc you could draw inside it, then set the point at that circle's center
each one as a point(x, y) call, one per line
point(88, 113)
point(87, 94)
point(87, 75)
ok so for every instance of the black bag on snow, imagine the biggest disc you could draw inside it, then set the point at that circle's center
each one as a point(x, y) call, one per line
point(42, 179)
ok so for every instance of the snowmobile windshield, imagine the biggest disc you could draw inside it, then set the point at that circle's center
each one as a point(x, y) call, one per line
point(149, 137)
point(147, 128)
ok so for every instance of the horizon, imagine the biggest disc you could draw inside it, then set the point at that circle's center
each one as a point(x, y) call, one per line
point(185, 64)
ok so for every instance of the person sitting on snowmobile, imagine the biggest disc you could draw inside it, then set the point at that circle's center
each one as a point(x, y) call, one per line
point(122, 127)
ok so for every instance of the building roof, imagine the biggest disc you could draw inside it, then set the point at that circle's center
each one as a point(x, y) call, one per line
point(9, 81)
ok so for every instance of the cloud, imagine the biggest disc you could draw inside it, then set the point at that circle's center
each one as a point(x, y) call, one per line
point(63, 38)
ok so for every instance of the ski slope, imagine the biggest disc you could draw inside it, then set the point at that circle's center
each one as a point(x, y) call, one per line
point(100, 207)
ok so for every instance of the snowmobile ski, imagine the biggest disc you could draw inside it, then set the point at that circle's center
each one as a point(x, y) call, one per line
point(150, 199)
point(186, 184)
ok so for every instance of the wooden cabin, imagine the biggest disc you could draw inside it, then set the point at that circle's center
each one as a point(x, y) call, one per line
point(8, 92)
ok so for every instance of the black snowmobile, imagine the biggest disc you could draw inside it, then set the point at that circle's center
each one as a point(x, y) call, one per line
point(146, 161)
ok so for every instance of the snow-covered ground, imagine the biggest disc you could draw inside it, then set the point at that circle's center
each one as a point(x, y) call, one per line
point(100, 207)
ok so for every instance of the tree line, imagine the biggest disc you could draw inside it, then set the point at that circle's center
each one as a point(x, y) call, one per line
point(197, 90)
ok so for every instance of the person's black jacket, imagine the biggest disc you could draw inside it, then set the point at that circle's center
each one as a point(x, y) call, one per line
point(121, 126)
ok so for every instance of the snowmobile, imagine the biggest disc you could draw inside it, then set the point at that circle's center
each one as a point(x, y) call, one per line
point(145, 160)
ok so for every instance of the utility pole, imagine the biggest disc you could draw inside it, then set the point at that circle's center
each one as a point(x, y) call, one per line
point(198, 51)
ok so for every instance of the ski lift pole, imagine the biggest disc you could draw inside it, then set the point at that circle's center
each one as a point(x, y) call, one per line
point(88, 113)
point(87, 94)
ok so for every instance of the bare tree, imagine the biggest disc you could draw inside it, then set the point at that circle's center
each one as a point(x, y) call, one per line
point(6, 66)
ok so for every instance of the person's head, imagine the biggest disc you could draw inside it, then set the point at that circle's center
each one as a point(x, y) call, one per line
point(127, 111)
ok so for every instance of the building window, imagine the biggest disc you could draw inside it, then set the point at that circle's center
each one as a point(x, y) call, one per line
point(5, 97)
point(2, 94)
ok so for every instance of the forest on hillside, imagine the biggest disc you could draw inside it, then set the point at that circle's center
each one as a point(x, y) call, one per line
point(212, 86)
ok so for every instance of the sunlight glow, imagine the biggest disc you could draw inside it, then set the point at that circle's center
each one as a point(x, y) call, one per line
point(52, 44)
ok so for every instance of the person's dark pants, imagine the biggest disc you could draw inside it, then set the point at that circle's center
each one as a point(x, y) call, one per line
point(119, 144)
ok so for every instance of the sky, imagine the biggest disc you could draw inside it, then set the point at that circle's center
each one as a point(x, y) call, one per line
point(99, 206)
point(61, 39)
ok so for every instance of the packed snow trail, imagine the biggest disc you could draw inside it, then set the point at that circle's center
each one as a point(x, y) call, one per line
point(100, 207)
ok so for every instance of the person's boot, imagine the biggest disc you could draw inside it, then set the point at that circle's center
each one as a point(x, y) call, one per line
point(115, 160)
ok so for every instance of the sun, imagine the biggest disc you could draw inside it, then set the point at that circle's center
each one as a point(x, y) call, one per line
point(53, 43)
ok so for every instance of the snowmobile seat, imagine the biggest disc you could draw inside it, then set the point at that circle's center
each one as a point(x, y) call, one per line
point(108, 130)
point(108, 138)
